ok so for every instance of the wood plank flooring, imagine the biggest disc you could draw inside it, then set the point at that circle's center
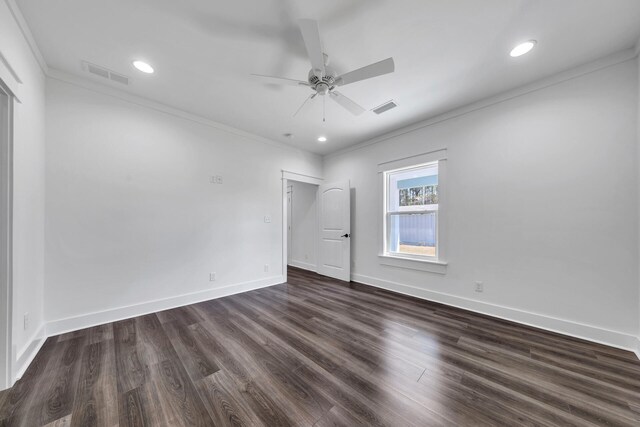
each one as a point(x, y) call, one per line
point(315, 352)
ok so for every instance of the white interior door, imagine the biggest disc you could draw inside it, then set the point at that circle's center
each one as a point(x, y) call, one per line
point(334, 220)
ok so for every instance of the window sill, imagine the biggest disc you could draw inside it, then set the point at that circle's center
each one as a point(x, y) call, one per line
point(432, 266)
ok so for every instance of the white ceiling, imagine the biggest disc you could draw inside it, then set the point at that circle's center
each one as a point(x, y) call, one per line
point(448, 53)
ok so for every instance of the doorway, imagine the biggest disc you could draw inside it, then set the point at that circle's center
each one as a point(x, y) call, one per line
point(299, 219)
point(6, 295)
point(316, 220)
point(302, 225)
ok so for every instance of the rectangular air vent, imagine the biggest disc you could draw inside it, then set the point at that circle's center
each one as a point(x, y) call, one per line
point(119, 78)
point(385, 107)
point(105, 73)
point(98, 71)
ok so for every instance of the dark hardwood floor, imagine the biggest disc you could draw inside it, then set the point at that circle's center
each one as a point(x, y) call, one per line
point(316, 352)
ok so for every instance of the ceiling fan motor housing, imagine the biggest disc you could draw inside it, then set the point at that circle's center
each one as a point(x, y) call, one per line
point(324, 85)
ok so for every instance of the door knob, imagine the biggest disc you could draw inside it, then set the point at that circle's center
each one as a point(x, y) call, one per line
point(346, 235)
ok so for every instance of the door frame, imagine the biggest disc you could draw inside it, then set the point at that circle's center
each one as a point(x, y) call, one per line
point(6, 242)
point(289, 217)
point(286, 177)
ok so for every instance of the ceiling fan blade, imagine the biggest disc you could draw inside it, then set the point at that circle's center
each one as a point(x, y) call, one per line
point(280, 80)
point(311, 36)
point(347, 103)
point(378, 69)
point(310, 97)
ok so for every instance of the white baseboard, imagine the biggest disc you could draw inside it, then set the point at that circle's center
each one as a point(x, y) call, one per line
point(561, 326)
point(88, 320)
point(578, 330)
point(28, 353)
point(61, 326)
point(302, 265)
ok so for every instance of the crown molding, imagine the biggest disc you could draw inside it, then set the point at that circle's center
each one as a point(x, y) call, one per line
point(10, 69)
point(563, 76)
point(26, 33)
point(125, 96)
point(140, 101)
point(572, 73)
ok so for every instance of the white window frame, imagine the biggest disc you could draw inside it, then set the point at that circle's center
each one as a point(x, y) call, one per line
point(406, 210)
point(437, 264)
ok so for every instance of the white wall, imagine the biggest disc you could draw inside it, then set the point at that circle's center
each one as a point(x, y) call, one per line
point(133, 218)
point(303, 225)
point(542, 202)
point(28, 185)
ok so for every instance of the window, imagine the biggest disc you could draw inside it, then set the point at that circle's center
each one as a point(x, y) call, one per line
point(412, 216)
point(411, 212)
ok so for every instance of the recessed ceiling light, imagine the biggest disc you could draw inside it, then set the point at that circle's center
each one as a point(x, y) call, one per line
point(523, 48)
point(143, 66)
point(322, 139)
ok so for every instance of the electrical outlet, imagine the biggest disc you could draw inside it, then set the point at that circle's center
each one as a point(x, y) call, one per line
point(212, 277)
point(26, 321)
point(479, 287)
point(267, 219)
point(266, 268)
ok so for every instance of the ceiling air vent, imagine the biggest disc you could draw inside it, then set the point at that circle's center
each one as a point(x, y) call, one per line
point(385, 107)
point(119, 78)
point(105, 73)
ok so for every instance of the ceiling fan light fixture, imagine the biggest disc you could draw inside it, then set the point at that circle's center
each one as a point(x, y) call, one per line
point(143, 66)
point(522, 48)
point(322, 139)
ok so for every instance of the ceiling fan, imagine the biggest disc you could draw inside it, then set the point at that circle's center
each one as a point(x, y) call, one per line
point(322, 79)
